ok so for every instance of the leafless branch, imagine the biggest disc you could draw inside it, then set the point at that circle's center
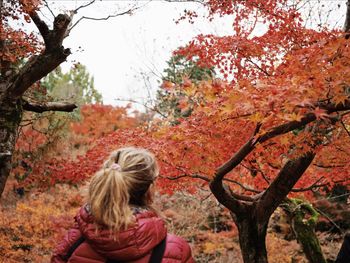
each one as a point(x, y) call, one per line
point(127, 12)
point(347, 20)
point(257, 128)
point(41, 25)
point(244, 187)
point(195, 176)
point(320, 165)
point(283, 183)
point(83, 6)
point(48, 7)
point(316, 184)
point(344, 126)
point(329, 219)
point(185, 173)
point(38, 66)
point(258, 67)
point(184, 1)
point(154, 109)
point(48, 106)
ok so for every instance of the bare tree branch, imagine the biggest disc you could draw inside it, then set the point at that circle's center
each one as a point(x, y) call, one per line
point(38, 66)
point(41, 25)
point(343, 124)
point(48, 7)
point(184, 1)
point(313, 186)
point(283, 184)
point(83, 6)
point(195, 176)
point(244, 187)
point(127, 12)
point(347, 20)
point(325, 166)
point(48, 106)
point(154, 108)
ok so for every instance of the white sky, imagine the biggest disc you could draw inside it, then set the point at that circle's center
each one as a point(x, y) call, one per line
point(117, 51)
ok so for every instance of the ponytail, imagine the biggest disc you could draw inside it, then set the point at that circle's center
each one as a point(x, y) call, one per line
point(109, 199)
point(124, 180)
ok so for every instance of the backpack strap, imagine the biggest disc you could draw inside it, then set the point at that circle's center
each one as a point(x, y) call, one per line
point(156, 256)
point(73, 247)
point(158, 252)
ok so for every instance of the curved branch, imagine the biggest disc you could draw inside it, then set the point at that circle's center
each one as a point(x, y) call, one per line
point(48, 106)
point(83, 6)
point(41, 25)
point(316, 184)
point(38, 66)
point(127, 12)
point(244, 187)
point(48, 7)
point(283, 184)
point(195, 176)
point(216, 185)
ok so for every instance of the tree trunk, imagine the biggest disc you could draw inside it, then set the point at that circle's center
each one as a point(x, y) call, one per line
point(10, 118)
point(303, 220)
point(252, 239)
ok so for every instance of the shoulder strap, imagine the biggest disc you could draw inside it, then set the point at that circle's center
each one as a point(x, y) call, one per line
point(73, 247)
point(156, 256)
point(158, 252)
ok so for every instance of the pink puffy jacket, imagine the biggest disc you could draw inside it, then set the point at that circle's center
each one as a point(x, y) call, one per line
point(133, 245)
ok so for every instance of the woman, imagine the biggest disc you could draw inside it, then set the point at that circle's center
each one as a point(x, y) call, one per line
point(118, 223)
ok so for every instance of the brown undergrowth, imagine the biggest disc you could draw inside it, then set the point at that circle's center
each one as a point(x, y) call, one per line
point(31, 226)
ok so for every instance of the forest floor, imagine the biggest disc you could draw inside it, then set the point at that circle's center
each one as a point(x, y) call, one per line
point(31, 226)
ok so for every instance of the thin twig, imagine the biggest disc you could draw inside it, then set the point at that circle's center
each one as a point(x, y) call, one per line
point(155, 109)
point(83, 6)
point(316, 184)
point(247, 188)
point(344, 126)
point(48, 7)
point(329, 219)
point(195, 176)
point(127, 12)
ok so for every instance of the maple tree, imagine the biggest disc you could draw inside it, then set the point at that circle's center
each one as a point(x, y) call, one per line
point(25, 58)
point(44, 144)
point(291, 81)
point(280, 127)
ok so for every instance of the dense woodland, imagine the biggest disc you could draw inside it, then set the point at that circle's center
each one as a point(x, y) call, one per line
point(251, 132)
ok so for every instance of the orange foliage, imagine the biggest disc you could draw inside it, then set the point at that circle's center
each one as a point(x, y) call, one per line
point(99, 120)
point(30, 231)
point(43, 144)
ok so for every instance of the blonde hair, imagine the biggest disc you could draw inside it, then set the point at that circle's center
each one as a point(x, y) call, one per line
point(124, 180)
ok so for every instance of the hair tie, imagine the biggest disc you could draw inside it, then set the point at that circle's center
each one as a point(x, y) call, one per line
point(116, 166)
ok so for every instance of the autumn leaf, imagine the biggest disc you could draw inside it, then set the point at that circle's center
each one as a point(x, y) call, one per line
point(320, 113)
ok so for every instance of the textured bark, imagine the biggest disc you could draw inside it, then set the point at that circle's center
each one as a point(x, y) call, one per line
point(13, 84)
point(48, 106)
point(252, 236)
point(252, 217)
point(10, 117)
point(278, 190)
point(303, 218)
point(347, 20)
